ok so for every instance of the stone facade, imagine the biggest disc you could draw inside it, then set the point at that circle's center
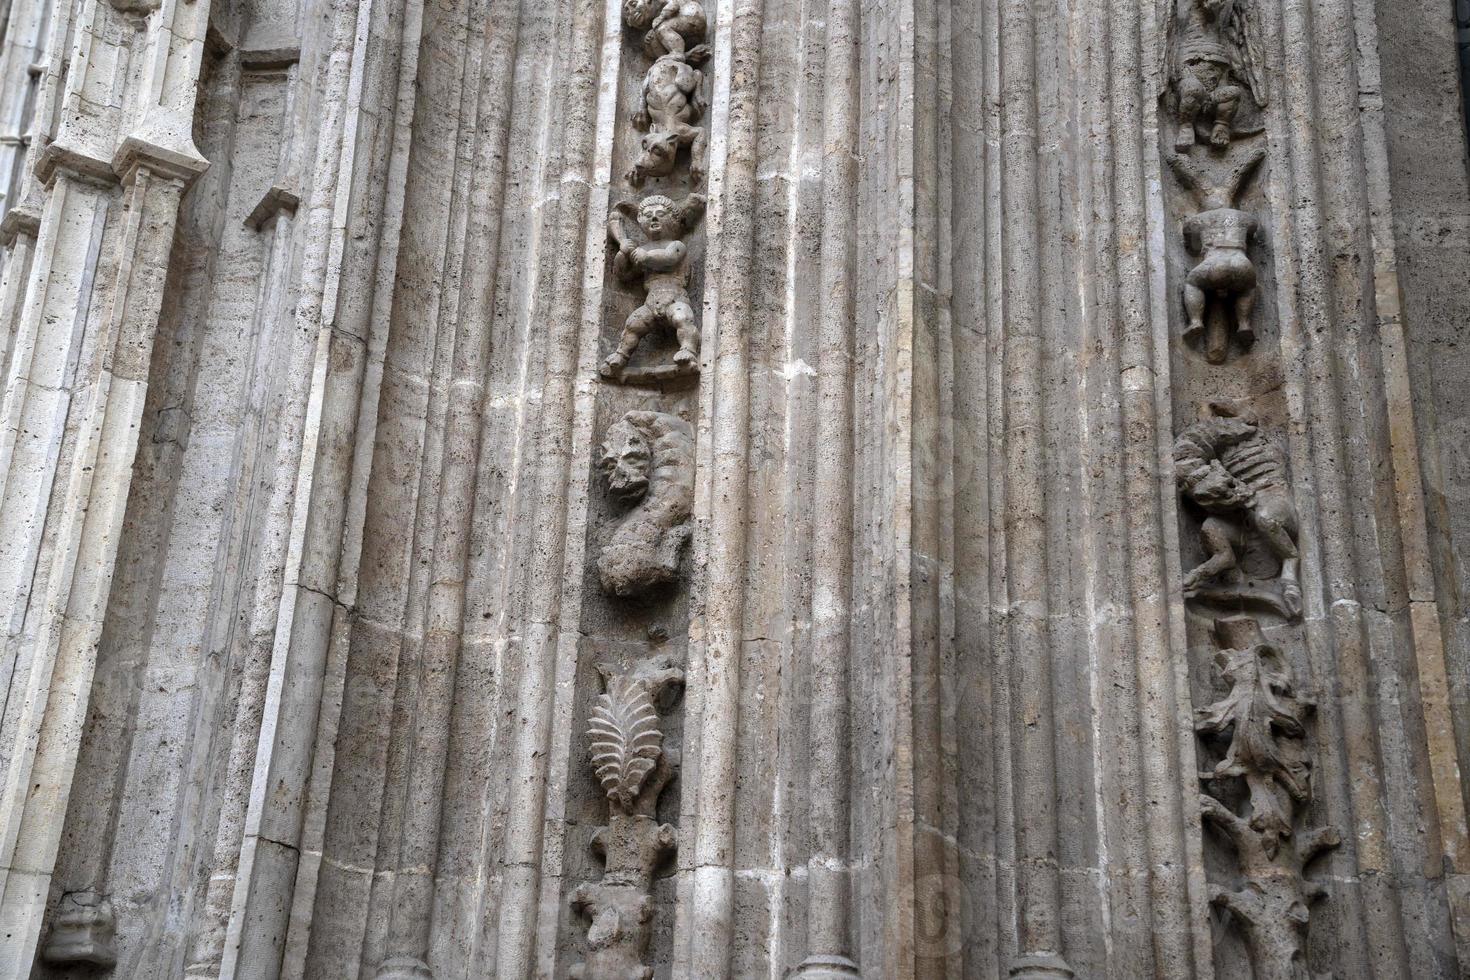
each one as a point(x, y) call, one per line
point(722, 489)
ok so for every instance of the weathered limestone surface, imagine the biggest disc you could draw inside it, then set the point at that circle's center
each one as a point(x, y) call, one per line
point(616, 489)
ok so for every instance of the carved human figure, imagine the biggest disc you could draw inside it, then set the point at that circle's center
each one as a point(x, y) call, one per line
point(650, 247)
point(1214, 62)
point(1237, 475)
point(631, 764)
point(674, 26)
point(1263, 723)
point(670, 102)
point(1220, 235)
point(648, 462)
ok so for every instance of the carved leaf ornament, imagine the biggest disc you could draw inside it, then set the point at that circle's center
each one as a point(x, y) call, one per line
point(626, 741)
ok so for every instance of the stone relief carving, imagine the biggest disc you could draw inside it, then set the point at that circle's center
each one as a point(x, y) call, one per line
point(670, 102)
point(650, 247)
point(1260, 726)
point(647, 459)
point(1220, 235)
point(83, 933)
point(1214, 54)
point(1237, 476)
point(676, 27)
point(627, 755)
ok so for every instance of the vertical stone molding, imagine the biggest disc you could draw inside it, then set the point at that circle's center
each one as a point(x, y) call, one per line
point(78, 374)
point(716, 489)
point(829, 868)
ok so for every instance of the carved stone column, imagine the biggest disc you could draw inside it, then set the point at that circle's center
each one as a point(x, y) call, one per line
point(80, 371)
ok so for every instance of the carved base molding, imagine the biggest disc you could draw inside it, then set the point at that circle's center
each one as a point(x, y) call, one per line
point(1041, 966)
point(827, 968)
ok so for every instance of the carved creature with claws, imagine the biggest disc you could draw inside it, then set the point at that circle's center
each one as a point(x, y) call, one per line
point(672, 26)
point(1237, 476)
point(670, 103)
point(648, 460)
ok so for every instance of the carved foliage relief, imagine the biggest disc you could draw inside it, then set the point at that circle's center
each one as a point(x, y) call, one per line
point(1241, 530)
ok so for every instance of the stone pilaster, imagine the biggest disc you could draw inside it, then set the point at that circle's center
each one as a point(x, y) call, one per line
point(78, 377)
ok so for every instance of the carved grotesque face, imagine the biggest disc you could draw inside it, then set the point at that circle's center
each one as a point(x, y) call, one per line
point(637, 13)
point(659, 150)
point(624, 462)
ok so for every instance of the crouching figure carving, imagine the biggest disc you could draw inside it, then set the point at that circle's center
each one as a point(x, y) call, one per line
point(650, 248)
point(1262, 723)
point(1214, 60)
point(648, 462)
point(1237, 476)
point(633, 768)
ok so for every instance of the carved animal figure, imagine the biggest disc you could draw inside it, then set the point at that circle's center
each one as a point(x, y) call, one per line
point(651, 248)
point(669, 103)
point(648, 461)
point(1220, 235)
point(1232, 471)
point(672, 25)
point(1214, 58)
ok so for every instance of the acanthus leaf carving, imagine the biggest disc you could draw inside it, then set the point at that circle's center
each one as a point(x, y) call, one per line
point(626, 741)
point(1263, 723)
point(626, 748)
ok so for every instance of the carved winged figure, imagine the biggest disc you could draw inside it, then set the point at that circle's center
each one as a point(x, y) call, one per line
point(650, 247)
point(648, 461)
point(670, 102)
point(1214, 55)
point(676, 27)
point(1237, 475)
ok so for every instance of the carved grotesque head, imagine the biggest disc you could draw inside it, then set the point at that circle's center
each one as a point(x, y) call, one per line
point(1232, 420)
point(639, 13)
point(624, 461)
point(659, 151)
